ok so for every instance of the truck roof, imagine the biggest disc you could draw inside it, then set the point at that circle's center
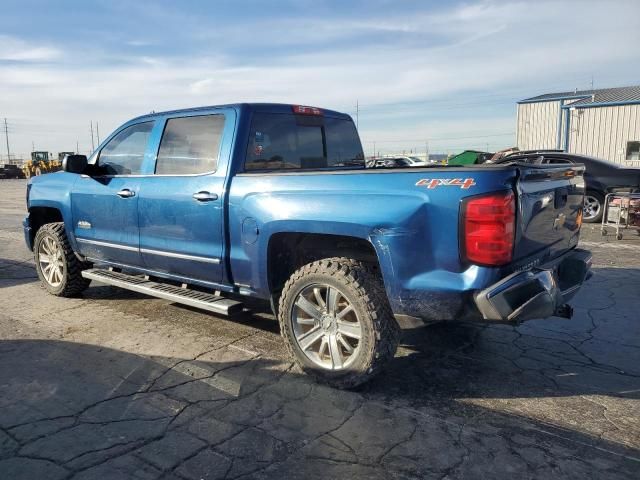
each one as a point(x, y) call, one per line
point(249, 107)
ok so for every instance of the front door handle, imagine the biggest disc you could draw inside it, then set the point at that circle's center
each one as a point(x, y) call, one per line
point(126, 193)
point(205, 196)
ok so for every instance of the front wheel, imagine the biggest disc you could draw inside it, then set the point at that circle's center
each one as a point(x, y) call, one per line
point(59, 270)
point(593, 207)
point(337, 322)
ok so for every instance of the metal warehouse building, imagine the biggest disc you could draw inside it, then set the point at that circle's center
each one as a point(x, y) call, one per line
point(602, 123)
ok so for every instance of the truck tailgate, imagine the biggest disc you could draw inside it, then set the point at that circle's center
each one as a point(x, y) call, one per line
point(549, 211)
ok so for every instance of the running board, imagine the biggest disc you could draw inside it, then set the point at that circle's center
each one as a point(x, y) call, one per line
point(140, 284)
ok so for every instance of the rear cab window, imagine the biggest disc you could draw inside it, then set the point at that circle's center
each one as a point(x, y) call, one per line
point(289, 142)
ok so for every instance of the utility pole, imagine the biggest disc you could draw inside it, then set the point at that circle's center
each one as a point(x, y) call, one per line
point(426, 151)
point(93, 145)
point(77, 147)
point(97, 133)
point(374, 149)
point(6, 136)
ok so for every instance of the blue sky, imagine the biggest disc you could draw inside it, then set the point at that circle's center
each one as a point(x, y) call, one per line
point(446, 73)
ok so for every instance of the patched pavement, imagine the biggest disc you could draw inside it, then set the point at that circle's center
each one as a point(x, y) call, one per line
point(118, 385)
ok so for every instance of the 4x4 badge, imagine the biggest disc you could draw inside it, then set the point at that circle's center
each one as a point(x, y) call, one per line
point(446, 182)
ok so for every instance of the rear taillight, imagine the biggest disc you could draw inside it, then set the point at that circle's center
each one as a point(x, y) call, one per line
point(488, 228)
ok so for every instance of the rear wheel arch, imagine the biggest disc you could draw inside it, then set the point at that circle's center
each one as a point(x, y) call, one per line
point(288, 251)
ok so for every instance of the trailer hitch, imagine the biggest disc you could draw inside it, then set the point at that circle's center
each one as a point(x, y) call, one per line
point(564, 311)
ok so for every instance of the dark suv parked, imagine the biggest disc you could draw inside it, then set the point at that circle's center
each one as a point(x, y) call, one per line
point(10, 171)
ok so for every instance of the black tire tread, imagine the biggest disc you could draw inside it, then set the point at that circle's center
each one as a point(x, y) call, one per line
point(75, 283)
point(367, 282)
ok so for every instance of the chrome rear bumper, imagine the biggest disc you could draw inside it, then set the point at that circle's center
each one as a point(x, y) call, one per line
point(537, 293)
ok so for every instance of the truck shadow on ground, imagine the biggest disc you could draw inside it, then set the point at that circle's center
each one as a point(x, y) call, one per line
point(71, 408)
point(15, 272)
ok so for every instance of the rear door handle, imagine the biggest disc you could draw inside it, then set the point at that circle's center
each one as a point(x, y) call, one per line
point(126, 193)
point(205, 196)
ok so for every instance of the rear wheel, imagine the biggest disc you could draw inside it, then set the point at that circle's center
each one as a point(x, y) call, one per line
point(59, 270)
point(337, 322)
point(593, 207)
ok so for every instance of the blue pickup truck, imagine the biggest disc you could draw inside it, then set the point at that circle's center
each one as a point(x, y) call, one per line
point(204, 206)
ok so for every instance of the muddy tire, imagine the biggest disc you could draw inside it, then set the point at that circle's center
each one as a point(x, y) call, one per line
point(336, 321)
point(58, 268)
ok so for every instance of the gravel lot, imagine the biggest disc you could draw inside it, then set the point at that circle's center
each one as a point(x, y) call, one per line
point(118, 385)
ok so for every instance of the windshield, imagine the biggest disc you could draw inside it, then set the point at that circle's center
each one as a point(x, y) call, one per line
point(302, 142)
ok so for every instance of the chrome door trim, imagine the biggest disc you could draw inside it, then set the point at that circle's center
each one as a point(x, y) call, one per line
point(107, 244)
point(181, 256)
point(150, 251)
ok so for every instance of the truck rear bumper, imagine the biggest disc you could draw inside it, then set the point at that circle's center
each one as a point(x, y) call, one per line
point(537, 293)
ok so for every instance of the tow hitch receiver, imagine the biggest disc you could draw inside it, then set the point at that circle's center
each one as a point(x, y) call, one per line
point(564, 311)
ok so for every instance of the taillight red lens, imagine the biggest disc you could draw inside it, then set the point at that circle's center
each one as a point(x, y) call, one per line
point(489, 228)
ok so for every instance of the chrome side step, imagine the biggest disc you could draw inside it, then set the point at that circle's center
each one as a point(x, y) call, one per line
point(140, 284)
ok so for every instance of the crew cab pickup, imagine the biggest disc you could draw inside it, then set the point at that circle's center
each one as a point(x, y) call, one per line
point(204, 206)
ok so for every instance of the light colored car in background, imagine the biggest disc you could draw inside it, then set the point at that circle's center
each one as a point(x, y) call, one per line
point(397, 161)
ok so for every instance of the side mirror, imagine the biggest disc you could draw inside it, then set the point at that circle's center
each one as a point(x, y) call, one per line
point(74, 163)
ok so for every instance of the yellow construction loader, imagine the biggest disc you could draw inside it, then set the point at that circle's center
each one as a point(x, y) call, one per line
point(40, 164)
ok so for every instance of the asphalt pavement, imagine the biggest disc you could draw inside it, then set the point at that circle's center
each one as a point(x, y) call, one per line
point(115, 385)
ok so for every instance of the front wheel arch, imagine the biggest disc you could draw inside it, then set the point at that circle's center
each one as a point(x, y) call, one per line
point(39, 216)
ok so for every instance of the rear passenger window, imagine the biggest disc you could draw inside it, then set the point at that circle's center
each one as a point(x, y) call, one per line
point(124, 153)
point(190, 145)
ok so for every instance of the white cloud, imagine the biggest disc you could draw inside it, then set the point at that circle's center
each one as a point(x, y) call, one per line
point(139, 43)
point(17, 50)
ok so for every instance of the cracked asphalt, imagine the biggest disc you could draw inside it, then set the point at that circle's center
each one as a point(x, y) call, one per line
point(116, 385)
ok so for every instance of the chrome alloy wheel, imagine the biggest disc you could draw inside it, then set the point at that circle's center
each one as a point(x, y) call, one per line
point(326, 327)
point(591, 207)
point(51, 261)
